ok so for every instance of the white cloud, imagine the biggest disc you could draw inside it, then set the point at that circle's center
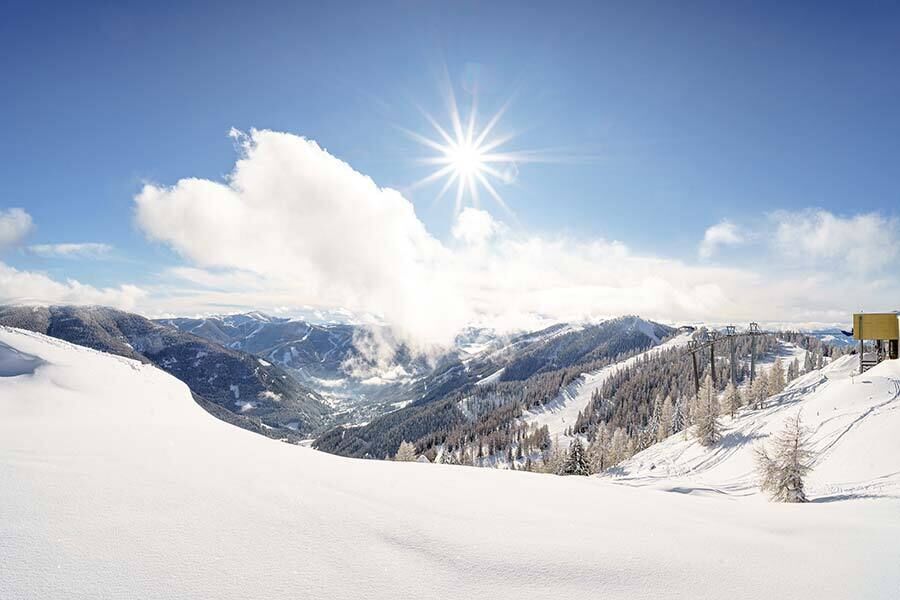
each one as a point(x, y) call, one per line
point(865, 242)
point(27, 287)
point(81, 250)
point(295, 226)
point(725, 233)
point(15, 224)
point(474, 226)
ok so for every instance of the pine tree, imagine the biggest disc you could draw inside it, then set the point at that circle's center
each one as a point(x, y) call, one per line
point(554, 459)
point(598, 450)
point(781, 473)
point(448, 457)
point(759, 391)
point(619, 447)
point(706, 414)
point(733, 400)
point(666, 419)
point(776, 378)
point(576, 463)
point(793, 370)
point(808, 362)
point(406, 452)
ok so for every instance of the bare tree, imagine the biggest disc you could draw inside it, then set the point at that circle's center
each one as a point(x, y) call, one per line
point(781, 473)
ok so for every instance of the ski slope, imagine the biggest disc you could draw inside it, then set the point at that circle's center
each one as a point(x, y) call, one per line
point(560, 413)
point(855, 433)
point(115, 484)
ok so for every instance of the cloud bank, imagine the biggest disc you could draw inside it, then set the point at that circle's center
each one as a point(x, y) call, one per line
point(29, 287)
point(293, 225)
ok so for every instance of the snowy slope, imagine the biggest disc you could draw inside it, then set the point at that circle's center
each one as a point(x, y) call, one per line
point(561, 412)
point(855, 423)
point(115, 484)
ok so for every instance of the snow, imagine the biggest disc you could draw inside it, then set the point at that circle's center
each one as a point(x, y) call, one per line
point(492, 378)
point(14, 363)
point(855, 424)
point(121, 486)
point(561, 412)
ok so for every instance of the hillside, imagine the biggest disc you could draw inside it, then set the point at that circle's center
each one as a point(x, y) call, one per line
point(478, 400)
point(855, 424)
point(233, 385)
point(562, 412)
point(120, 486)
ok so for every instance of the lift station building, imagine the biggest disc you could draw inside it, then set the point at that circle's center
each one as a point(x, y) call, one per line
point(882, 331)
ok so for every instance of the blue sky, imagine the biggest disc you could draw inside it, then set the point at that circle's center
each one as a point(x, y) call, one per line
point(674, 118)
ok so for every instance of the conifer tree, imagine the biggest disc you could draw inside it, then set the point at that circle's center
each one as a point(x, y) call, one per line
point(781, 473)
point(598, 450)
point(666, 419)
point(406, 452)
point(793, 370)
point(554, 458)
point(448, 457)
point(576, 463)
point(776, 378)
point(706, 414)
point(759, 391)
point(733, 400)
point(808, 362)
point(619, 447)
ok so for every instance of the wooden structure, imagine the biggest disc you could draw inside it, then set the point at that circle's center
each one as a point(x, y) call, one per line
point(883, 329)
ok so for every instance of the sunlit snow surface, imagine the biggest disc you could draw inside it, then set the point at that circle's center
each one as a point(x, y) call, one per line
point(115, 484)
point(855, 432)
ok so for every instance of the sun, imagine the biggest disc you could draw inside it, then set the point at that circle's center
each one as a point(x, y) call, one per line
point(468, 158)
point(465, 158)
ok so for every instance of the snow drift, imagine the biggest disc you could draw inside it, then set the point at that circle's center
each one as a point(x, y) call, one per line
point(115, 484)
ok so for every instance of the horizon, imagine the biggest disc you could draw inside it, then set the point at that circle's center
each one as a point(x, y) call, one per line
point(602, 174)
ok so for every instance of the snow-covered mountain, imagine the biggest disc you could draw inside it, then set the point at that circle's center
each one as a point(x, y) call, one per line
point(115, 484)
point(361, 370)
point(234, 385)
point(510, 364)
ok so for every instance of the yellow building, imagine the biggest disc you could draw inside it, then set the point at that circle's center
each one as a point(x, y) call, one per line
point(883, 330)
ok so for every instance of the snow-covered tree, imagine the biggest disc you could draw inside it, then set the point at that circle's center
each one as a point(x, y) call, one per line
point(776, 378)
point(666, 419)
point(598, 450)
point(732, 399)
point(705, 412)
point(759, 391)
point(808, 361)
point(781, 469)
point(793, 370)
point(406, 452)
point(554, 459)
point(620, 446)
point(448, 457)
point(576, 463)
